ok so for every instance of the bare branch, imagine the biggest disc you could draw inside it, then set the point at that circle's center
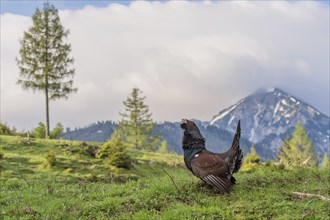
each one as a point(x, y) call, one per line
point(303, 195)
point(172, 180)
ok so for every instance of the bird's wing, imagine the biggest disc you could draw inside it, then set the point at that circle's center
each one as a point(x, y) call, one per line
point(213, 170)
point(220, 183)
point(234, 155)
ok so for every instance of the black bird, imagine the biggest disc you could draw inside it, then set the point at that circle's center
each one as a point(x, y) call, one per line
point(216, 169)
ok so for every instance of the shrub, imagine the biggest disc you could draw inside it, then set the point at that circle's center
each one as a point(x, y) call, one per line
point(274, 165)
point(281, 166)
point(163, 147)
point(50, 159)
point(115, 151)
point(116, 155)
point(106, 150)
point(325, 162)
point(40, 131)
point(93, 151)
point(251, 161)
point(297, 151)
point(120, 159)
point(92, 177)
point(252, 157)
point(1, 153)
point(5, 130)
point(57, 132)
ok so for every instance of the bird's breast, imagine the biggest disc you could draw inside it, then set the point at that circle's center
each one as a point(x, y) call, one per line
point(189, 155)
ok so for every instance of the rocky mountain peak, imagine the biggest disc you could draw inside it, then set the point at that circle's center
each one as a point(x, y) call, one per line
point(270, 115)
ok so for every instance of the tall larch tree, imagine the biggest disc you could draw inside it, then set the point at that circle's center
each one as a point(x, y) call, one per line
point(44, 61)
point(137, 123)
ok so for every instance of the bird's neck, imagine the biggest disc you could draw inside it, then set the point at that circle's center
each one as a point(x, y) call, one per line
point(192, 143)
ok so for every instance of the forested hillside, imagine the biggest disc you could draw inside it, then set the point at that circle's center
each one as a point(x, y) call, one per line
point(98, 132)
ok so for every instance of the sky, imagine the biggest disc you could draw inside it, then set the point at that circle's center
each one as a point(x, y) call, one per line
point(191, 59)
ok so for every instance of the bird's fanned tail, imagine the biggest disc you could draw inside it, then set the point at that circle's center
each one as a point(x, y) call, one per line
point(234, 155)
point(237, 160)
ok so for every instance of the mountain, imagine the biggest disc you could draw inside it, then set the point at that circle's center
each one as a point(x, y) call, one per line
point(217, 139)
point(269, 117)
point(96, 132)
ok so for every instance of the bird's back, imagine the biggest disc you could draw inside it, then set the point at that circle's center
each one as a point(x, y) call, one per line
point(206, 163)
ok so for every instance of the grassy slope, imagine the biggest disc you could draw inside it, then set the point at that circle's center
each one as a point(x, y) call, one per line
point(80, 186)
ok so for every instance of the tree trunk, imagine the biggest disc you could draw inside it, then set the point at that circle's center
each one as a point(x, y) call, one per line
point(47, 111)
point(46, 78)
point(136, 137)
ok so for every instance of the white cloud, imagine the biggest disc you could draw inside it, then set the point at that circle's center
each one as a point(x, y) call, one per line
point(191, 59)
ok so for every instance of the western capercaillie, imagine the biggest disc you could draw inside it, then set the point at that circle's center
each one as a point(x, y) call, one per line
point(215, 169)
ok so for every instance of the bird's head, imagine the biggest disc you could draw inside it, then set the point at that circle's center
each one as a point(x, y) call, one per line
point(191, 130)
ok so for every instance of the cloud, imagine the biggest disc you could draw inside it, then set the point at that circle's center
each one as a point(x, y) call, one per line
point(191, 59)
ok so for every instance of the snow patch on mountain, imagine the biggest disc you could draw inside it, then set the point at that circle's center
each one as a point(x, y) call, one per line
point(231, 119)
point(292, 99)
point(222, 114)
point(276, 108)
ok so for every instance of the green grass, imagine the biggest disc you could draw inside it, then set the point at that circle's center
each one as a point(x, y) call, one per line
point(28, 158)
point(82, 187)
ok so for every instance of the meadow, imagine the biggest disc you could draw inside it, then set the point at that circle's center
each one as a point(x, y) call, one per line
point(158, 186)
